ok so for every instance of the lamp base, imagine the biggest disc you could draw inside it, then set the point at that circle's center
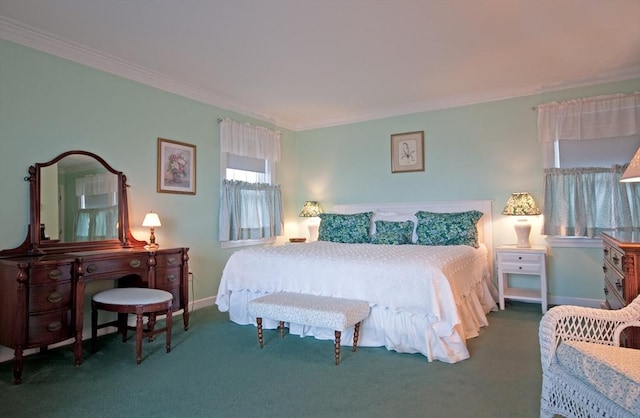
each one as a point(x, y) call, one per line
point(151, 247)
point(523, 229)
point(313, 230)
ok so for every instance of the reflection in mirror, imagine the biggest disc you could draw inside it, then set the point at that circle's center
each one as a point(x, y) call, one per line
point(78, 201)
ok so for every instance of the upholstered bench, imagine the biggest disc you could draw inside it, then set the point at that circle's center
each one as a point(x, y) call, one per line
point(319, 311)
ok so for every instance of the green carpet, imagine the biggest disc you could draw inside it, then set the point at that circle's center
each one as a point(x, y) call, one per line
point(216, 369)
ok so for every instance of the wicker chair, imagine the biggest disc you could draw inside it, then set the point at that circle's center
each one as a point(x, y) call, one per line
point(585, 373)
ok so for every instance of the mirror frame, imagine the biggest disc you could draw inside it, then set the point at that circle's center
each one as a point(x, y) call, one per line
point(33, 245)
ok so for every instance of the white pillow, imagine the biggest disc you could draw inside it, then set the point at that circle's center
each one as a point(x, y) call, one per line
point(379, 215)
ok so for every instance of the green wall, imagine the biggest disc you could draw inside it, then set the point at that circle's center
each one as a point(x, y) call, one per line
point(483, 151)
point(49, 105)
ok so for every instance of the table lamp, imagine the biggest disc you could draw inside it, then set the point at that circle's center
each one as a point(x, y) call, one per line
point(312, 209)
point(632, 173)
point(521, 204)
point(151, 220)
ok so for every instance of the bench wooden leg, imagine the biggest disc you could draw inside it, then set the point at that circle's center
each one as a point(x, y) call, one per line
point(281, 328)
point(356, 332)
point(260, 336)
point(139, 337)
point(338, 334)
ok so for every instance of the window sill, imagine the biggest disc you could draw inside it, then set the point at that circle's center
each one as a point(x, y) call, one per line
point(574, 242)
point(246, 242)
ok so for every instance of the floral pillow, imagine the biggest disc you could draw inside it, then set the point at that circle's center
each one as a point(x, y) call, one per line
point(394, 233)
point(457, 228)
point(352, 229)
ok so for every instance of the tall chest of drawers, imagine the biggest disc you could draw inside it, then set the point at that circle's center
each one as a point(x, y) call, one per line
point(621, 267)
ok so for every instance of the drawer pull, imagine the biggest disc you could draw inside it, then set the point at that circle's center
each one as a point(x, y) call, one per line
point(134, 263)
point(55, 297)
point(172, 277)
point(92, 268)
point(519, 267)
point(55, 274)
point(616, 259)
point(171, 261)
point(618, 285)
point(606, 291)
point(604, 268)
point(54, 326)
point(606, 251)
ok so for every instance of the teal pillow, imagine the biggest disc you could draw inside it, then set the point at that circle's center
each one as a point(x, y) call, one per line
point(457, 228)
point(394, 233)
point(352, 229)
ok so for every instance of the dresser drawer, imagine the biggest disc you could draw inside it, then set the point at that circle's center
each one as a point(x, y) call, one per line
point(168, 260)
point(167, 278)
point(614, 256)
point(55, 273)
point(115, 266)
point(613, 296)
point(47, 297)
point(49, 328)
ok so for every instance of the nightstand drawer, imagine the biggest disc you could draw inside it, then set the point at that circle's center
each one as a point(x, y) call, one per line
point(524, 268)
point(520, 258)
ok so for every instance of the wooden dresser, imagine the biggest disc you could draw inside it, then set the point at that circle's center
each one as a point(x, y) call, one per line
point(42, 282)
point(621, 268)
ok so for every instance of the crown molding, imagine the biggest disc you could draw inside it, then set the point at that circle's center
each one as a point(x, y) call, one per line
point(22, 34)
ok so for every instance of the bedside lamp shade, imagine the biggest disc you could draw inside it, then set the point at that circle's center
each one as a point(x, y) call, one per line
point(312, 209)
point(522, 204)
point(152, 221)
point(632, 173)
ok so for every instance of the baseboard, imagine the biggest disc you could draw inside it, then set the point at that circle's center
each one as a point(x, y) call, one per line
point(6, 353)
point(565, 300)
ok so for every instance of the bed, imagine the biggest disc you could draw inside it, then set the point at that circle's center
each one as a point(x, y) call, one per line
point(426, 299)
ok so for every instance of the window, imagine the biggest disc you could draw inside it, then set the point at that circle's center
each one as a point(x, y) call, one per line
point(250, 202)
point(587, 145)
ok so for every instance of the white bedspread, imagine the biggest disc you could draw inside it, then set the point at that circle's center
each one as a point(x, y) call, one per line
point(424, 299)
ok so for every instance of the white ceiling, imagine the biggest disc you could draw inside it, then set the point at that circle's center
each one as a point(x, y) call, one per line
point(304, 64)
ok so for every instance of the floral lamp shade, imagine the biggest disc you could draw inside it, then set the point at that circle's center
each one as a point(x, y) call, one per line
point(632, 173)
point(311, 209)
point(522, 204)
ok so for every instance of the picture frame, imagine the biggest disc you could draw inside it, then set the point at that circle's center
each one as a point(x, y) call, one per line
point(407, 152)
point(176, 167)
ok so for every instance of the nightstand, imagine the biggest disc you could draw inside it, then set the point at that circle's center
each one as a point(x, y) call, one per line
point(522, 261)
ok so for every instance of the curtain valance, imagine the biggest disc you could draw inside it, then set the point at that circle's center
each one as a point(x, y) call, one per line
point(597, 117)
point(96, 184)
point(249, 140)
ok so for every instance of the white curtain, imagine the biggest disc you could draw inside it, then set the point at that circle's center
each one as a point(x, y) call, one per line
point(250, 211)
point(583, 202)
point(96, 184)
point(590, 118)
point(249, 140)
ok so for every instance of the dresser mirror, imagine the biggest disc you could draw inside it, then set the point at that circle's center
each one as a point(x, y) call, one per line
point(78, 202)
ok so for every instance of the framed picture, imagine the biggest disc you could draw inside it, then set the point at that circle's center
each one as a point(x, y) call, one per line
point(176, 167)
point(407, 152)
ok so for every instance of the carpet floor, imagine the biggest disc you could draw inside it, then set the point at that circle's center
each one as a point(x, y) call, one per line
point(216, 369)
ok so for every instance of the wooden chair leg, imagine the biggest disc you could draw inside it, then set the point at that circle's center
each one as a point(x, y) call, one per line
point(139, 337)
point(338, 334)
point(281, 328)
point(356, 332)
point(169, 325)
point(94, 328)
point(260, 336)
